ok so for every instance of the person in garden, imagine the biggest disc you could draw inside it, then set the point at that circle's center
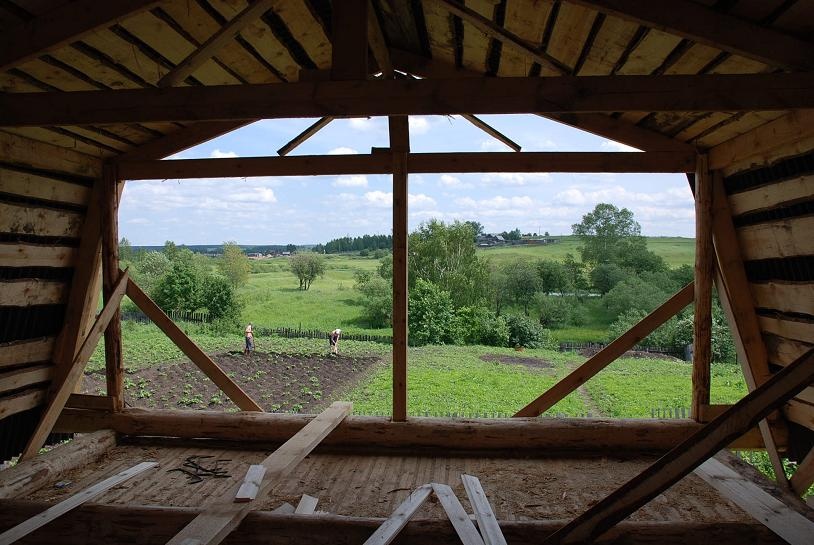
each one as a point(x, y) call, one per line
point(334, 341)
point(249, 340)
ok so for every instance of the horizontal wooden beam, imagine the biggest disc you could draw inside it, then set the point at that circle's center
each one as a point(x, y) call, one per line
point(704, 25)
point(127, 523)
point(705, 93)
point(527, 434)
point(417, 163)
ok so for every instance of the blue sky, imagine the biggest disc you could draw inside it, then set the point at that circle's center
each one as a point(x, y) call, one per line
point(303, 210)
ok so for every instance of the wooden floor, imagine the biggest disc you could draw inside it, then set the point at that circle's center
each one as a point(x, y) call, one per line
point(368, 485)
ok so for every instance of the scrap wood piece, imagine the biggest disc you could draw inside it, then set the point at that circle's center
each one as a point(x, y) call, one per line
point(460, 520)
point(683, 459)
point(217, 521)
point(307, 505)
point(251, 483)
point(487, 522)
point(773, 513)
point(284, 509)
point(26, 527)
point(309, 131)
point(390, 528)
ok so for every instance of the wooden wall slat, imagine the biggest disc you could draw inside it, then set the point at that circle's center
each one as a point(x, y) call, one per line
point(783, 351)
point(27, 184)
point(20, 378)
point(22, 401)
point(24, 220)
point(787, 238)
point(60, 140)
point(769, 196)
point(795, 297)
point(800, 413)
point(32, 291)
point(29, 351)
point(36, 255)
point(798, 330)
point(25, 152)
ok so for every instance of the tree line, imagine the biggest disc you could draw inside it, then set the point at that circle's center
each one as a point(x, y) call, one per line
point(355, 244)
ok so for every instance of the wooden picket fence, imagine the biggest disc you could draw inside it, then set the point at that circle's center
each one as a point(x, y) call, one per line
point(299, 333)
point(575, 346)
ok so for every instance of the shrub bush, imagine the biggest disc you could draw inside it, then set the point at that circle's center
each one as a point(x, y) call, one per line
point(528, 333)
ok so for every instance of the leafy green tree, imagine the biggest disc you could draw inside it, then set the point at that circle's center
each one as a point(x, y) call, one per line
point(217, 295)
point(307, 267)
point(522, 282)
point(605, 276)
point(477, 228)
point(376, 299)
point(177, 290)
point(631, 253)
point(575, 274)
point(512, 235)
point(170, 250)
point(478, 325)
point(125, 250)
point(553, 276)
point(386, 267)
point(527, 333)
point(431, 314)
point(234, 265)
point(600, 231)
point(499, 289)
point(446, 256)
point(634, 293)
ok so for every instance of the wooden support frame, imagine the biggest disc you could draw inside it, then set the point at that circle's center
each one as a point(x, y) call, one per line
point(487, 521)
point(215, 523)
point(607, 355)
point(704, 25)
point(704, 274)
point(114, 361)
point(400, 146)
point(680, 461)
point(216, 42)
point(61, 26)
point(415, 163)
point(559, 94)
point(491, 131)
point(803, 476)
point(64, 387)
point(310, 131)
point(190, 349)
point(350, 23)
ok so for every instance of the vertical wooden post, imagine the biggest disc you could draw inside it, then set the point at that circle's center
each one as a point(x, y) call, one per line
point(349, 40)
point(704, 262)
point(109, 207)
point(400, 146)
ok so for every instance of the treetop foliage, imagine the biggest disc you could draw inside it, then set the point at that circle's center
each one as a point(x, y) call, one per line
point(307, 267)
point(602, 229)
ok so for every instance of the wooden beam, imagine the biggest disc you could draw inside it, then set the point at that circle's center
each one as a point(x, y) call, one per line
point(216, 42)
point(218, 521)
point(63, 388)
point(803, 476)
point(457, 516)
point(496, 32)
point(390, 528)
point(251, 483)
point(89, 401)
point(31, 475)
point(709, 27)
point(127, 523)
point(61, 26)
point(416, 163)
point(377, 42)
point(608, 355)
point(491, 131)
point(304, 135)
point(24, 528)
point(776, 515)
point(349, 21)
point(180, 140)
point(114, 361)
point(400, 146)
point(487, 522)
point(704, 271)
point(14, 254)
point(697, 448)
point(190, 349)
point(560, 94)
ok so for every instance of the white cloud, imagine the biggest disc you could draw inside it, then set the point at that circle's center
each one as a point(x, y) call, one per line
point(218, 154)
point(515, 178)
point(497, 202)
point(419, 125)
point(452, 182)
point(351, 181)
point(610, 145)
point(361, 123)
point(621, 196)
point(420, 200)
point(139, 221)
point(343, 150)
point(380, 199)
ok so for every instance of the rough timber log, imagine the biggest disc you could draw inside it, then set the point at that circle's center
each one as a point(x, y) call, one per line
point(102, 524)
point(524, 434)
point(729, 92)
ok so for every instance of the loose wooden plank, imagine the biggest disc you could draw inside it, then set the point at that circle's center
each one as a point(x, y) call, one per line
point(24, 528)
point(704, 267)
point(785, 296)
point(284, 509)
point(388, 531)
point(307, 505)
point(20, 219)
point(310, 131)
point(251, 483)
point(768, 196)
point(87, 401)
point(784, 238)
point(487, 522)
point(491, 131)
point(32, 291)
point(457, 516)
point(29, 476)
point(690, 454)
point(218, 521)
point(20, 378)
point(26, 184)
point(788, 524)
point(28, 351)
point(190, 349)
point(607, 355)
point(36, 255)
point(64, 386)
point(22, 401)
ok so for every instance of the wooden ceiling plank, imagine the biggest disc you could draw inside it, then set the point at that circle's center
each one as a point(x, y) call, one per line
point(608, 47)
point(308, 31)
point(753, 92)
point(570, 33)
point(475, 50)
point(55, 76)
point(378, 43)
point(215, 43)
point(649, 54)
point(58, 139)
point(181, 140)
point(736, 126)
point(62, 26)
point(701, 24)
point(126, 55)
point(439, 31)
point(526, 19)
